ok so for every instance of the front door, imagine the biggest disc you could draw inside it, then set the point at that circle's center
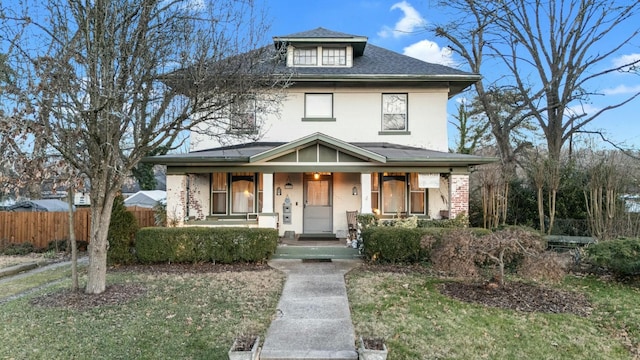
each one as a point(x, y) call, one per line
point(318, 208)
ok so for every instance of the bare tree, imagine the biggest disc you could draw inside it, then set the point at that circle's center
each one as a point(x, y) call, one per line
point(114, 79)
point(555, 52)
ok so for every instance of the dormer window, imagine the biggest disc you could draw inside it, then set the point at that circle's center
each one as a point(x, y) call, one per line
point(334, 56)
point(305, 56)
point(329, 56)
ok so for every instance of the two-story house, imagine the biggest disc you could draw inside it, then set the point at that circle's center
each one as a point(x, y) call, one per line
point(361, 128)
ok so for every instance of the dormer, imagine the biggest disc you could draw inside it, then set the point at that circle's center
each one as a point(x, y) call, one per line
point(320, 48)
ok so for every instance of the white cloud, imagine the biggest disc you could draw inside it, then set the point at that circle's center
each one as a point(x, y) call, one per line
point(621, 90)
point(411, 21)
point(627, 59)
point(581, 109)
point(429, 51)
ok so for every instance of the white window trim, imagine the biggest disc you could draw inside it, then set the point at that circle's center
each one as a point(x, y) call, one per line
point(387, 111)
point(318, 106)
point(319, 55)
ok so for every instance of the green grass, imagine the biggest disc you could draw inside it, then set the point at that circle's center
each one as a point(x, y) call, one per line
point(189, 316)
point(420, 323)
point(23, 284)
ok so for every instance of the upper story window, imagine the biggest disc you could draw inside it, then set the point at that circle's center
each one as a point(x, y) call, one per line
point(305, 56)
point(394, 112)
point(330, 56)
point(242, 115)
point(334, 56)
point(318, 106)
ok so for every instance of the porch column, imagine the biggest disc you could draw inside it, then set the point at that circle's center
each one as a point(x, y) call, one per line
point(176, 199)
point(267, 217)
point(365, 185)
point(459, 197)
point(267, 193)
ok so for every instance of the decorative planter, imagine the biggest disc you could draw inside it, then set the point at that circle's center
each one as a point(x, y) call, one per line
point(235, 354)
point(365, 353)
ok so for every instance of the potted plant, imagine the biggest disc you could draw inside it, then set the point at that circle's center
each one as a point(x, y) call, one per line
point(245, 347)
point(372, 349)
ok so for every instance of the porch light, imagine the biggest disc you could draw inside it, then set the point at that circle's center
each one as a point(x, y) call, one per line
point(316, 175)
point(288, 185)
point(278, 191)
point(354, 191)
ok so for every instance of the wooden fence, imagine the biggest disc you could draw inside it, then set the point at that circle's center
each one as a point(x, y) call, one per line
point(40, 228)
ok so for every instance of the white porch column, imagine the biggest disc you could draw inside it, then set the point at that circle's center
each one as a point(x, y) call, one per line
point(267, 193)
point(176, 199)
point(365, 185)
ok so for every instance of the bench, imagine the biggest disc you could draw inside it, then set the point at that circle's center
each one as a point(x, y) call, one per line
point(564, 242)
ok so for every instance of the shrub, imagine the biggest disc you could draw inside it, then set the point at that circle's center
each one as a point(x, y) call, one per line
point(454, 255)
point(122, 232)
point(460, 221)
point(196, 244)
point(466, 252)
point(61, 245)
point(547, 266)
point(398, 244)
point(621, 256)
point(24, 248)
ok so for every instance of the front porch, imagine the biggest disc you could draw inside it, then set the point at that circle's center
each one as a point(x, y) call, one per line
point(307, 186)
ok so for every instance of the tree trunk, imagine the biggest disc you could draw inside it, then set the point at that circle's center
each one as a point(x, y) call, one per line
point(100, 218)
point(541, 208)
point(72, 241)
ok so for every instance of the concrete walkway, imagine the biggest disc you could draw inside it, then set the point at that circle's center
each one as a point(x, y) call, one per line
point(313, 321)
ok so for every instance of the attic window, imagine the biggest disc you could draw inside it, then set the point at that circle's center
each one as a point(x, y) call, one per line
point(334, 56)
point(305, 56)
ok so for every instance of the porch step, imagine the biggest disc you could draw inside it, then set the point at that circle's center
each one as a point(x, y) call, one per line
point(315, 252)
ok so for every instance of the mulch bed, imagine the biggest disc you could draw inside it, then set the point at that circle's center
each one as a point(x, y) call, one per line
point(519, 296)
point(197, 268)
point(122, 293)
point(114, 295)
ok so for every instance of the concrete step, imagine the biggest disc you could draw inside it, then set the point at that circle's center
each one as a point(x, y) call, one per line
point(316, 252)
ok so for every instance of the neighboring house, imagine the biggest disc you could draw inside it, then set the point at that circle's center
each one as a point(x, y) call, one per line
point(361, 128)
point(146, 198)
point(51, 205)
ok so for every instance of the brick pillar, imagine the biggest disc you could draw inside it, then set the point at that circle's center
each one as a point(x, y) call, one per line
point(459, 197)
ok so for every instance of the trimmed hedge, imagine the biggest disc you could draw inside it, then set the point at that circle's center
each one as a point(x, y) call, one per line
point(404, 245)
point(621, 256)
point(197, 244)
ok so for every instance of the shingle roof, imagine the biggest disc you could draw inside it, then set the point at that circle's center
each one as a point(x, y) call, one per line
point(319, 33)
point(392, 152)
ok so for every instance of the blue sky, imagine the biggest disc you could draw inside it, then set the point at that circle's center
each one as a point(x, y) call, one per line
point(398, 26)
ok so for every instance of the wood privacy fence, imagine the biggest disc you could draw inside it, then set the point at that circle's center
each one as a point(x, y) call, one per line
point(40, 228)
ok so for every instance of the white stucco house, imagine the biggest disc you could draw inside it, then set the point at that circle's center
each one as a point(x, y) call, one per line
point(361, 129)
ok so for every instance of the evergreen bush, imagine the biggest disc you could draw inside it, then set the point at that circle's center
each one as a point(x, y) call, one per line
point(197, 244)
point(122, 231)
point(621, 256)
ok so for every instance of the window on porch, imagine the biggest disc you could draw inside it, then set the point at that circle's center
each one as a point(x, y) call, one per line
point(394, 193)
point(235, 193)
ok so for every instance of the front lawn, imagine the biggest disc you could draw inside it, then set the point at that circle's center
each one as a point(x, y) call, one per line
point(419, 322)
point(148, 315)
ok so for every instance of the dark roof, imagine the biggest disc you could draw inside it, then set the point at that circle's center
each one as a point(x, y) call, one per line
point(394, 153)
point(52, 205)
point(319, 33)
point(325, 36)
point(373, 64)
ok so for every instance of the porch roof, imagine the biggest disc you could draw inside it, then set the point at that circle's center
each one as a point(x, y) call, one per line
point(378, 153)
